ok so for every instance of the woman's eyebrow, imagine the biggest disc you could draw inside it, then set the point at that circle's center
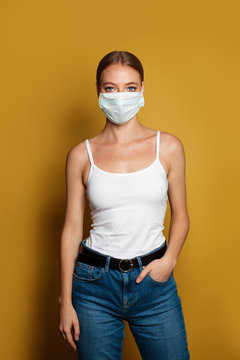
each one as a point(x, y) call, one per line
point(109, 82)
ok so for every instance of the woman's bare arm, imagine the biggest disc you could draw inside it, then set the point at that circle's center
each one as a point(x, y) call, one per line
point(161, 268)
point(73, 225)
point(180, 222)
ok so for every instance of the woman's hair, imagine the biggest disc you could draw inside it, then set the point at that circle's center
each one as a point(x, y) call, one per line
point(119, 57)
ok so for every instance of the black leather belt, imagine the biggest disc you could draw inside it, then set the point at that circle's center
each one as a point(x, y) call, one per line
point(88, 257)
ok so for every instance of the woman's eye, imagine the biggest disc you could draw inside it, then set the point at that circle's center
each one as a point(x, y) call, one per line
point(109, 87)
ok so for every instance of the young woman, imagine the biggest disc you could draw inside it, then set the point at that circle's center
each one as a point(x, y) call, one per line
point(124, 269)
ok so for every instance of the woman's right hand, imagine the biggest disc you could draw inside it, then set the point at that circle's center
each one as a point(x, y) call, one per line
point(69, 319)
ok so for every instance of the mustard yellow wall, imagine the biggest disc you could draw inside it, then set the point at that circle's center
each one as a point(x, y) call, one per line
point(49, 54)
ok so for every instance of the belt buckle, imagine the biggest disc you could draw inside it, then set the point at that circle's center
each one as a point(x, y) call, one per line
point(124, 262)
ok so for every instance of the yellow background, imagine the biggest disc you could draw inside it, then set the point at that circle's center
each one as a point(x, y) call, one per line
point(49, 54)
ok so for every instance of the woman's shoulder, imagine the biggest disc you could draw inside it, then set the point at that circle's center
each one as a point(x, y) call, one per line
point(166, 137)
point(77, 149)
point(170, 139)
point(171, 145)
point(77, 155)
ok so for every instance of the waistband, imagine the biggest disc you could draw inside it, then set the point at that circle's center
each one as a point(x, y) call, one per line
point(95, 258)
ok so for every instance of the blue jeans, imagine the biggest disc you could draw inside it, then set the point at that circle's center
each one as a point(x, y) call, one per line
point(104, 297)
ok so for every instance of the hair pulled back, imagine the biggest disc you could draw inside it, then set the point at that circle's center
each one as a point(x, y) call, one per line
point(119, 57)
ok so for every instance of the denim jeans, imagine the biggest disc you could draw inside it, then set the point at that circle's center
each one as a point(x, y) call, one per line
point(104, 297)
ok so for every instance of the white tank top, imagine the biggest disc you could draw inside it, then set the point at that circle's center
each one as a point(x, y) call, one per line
point(127, 209)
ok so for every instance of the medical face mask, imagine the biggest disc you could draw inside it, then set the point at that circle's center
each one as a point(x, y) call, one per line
point(120, 107)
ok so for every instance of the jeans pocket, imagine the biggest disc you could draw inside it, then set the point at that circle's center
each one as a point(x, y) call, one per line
point(86, 272)
point(160, 282)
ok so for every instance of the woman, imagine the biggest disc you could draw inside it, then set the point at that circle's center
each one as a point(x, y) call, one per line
point(124, 269)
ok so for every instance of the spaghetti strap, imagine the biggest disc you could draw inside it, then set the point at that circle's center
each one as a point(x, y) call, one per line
point(158, 144)
point(89, 151)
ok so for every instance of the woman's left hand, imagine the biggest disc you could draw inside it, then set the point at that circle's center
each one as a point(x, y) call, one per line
point(158, 269)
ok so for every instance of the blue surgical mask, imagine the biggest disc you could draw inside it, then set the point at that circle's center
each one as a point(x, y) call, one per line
point(120, 107)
